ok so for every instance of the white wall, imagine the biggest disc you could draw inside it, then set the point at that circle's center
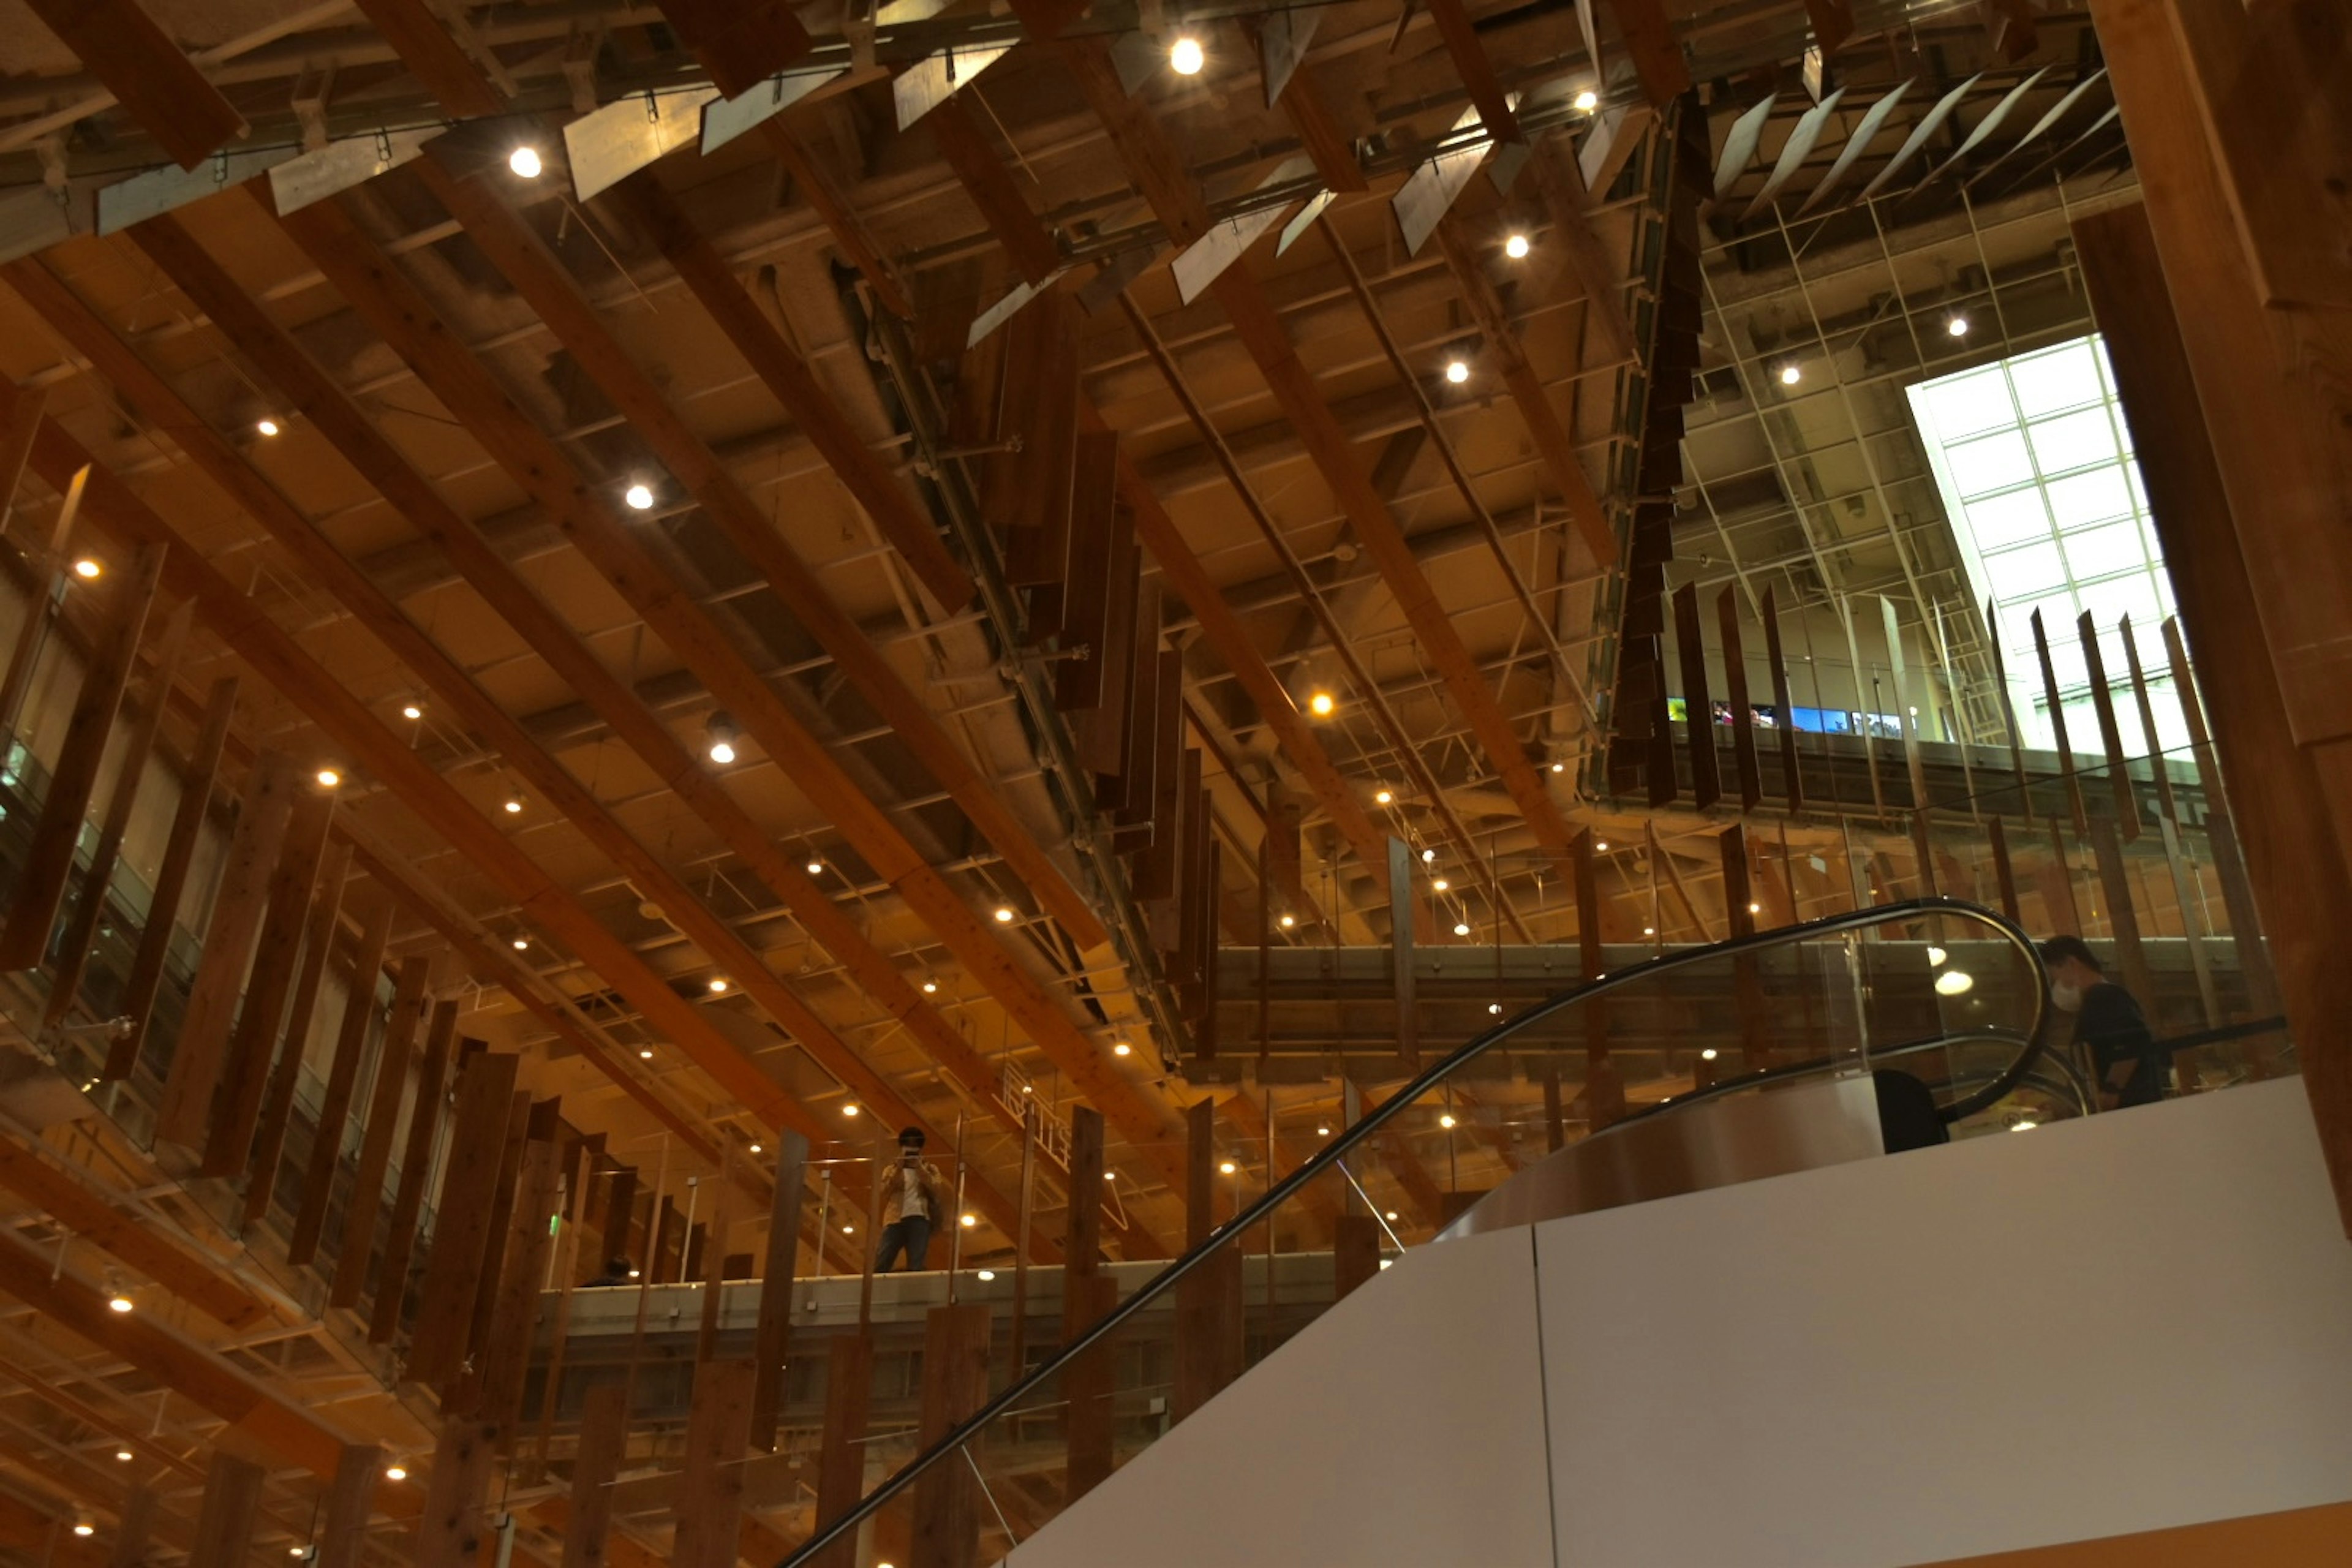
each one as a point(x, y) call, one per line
point(2128, 1323)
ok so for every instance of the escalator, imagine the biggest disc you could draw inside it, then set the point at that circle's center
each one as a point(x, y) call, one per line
point(1843, 1039)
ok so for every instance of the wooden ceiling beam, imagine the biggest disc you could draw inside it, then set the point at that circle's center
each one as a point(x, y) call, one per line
point(147, 72)
point(1158, 172)
point(740, 44)
point(273, 654)
point(311, 391)
point(371, 283)
point(433, 57)
point(824, 194)
point(1461, 39)
point(551, 291)
point(1559, 180)
point(1657, 55)
point(1308, 106)
point(965, 149)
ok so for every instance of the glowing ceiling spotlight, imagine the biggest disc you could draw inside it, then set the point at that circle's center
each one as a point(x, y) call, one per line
point(1322, 704)
point(640, 496)
point(1956, 324)
point(1457, 371)
point(266, 426)
point(718, 984)
point(1288, 921)
point(1004, 916)
point(1384, 797)
point(1461, 928)
point(1186, 57)
point(411, 710)
point(720, 735)
point(525, 162)
point(329, 778)
point(514, 804)
point(1791, 374)
point(1587, 101)
point(87, 569)
point(1517, 247)
point(1121, 1048)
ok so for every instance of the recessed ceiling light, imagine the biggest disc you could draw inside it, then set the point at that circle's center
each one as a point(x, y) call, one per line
point(1790, 374)
point(985, 1275)
point(1322, 704)
point(124, 1455)
point(640, 497)
point(1515, 247)
point(848, 1230)
point(850, 1108)
point(1600, 846)
point(1110, 1175)
point(400, 1472)
point(524, 161)
point(118, 1303)
point(1493, 1008)
point(816, 867)
point(1755, 909)
point(266, 425)
point(718, 984)
point(646, 1054)
point(1384, 797)
point(1427, 856)
point(1707, 1055)
point(1322, 1132)
point(1457, 371)
point(521, 943)
point(1288, 921)
point(411, 710)
point(84, 1527)
point(1186, 57)
point(1122, 1049)
point(86, 569)
point(329, 778)
point(1588, 100)
point(1446, 1121)
point(1441, 884)
point(1004, 914)
point(931, 987)
point(1461, 928)
point(755, 1148)
point(1958, 326)
point(1392, 1217)
point(1559, 767)
point(514, 804)
point(1225, 1167)
point(969, 1220)
point(1649, 931)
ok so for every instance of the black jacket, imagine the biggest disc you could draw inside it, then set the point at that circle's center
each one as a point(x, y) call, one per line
point(2114, 1028)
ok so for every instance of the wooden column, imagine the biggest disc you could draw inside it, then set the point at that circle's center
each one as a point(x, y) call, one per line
point(1209, 1299)
point(771, 1340)
point(183, 1113)
point(138, 1523)
point(2123, 919)
point(415, 1158)
point(2111, 735)
point(2176, 861)
point(503, 1356)
point(708, 1503)
point(2058, 726)
point(595, 1462)
point(2004, 873)
point(49, 857)
point(2221, 839)
point(1604, 1088)
point(452, 1528)
point(955, 1383)
point(841, 1453)
point(1744, 763)
point(172, 877)
point(1401, 970)
point(1086, 1296)
point(43, 603)
point(1355, 1255)
point(464, 1217)
point(376, 1138)
point(350, 1499)
point(343, 1077)
point(1698, 708)
point(277, 1106)
point(1795, 783)
point(1747, 980)
point(129, 772)
point(224, 1536)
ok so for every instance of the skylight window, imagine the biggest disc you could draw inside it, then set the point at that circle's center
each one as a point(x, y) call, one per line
point(2035, 466)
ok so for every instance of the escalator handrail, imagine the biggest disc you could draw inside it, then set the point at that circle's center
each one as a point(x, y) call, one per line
point(1349, 1139)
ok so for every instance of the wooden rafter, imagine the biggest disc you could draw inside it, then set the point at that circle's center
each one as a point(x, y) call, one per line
point(434, 56)
point(965, 147)
point(1452, 19)
point(141, 65)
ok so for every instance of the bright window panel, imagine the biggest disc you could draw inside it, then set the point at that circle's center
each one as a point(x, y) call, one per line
point(2071, 535)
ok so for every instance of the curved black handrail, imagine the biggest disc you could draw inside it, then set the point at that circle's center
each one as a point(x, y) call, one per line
point(1347, 1140)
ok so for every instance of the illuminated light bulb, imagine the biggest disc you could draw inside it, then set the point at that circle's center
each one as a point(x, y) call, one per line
point(411, 710)
point(524, 161)
point(1790, 374)
point(1493, 1008)
point(88, 570)
point(1707, 1055)
point(1122, 1049)
point(931, 987)
point(849, 1230)
point(85, 1527)
point(969, 1220)
point(1392, 1217)
point(755, 1148)
point(850, 1108)
point(1225, 1167)
point(1446, 1121)
point(1649, 931)
point(521, 942)
point(124, 1455)
point(1457, 371)
point(1441, 884)
point(1958, 326)
point(1289, 921)
point(1600, 846)
point(647, 1054)
point(1384, 797)
point(1028, 1089)
point(640, 497)
point(1461, 928)
point(329, 778)
point(1110, 1175)
point(1322, 704)
point(1004, 914)
point(722, 752)
point(1559, 767)
point(1322, 1132)
point(399, 1472)
point(1515, 247)
point(1427, 856)
point(985, 1275)
point(118, 1303)
point(297, 1552)
point(1935, 956)
point(816, 867)
point(266, 425)
point(514, 804)
point(1186, 57)
point(1755, 909)
point(1588, 100)
point(718, 984)
point(1955, 982)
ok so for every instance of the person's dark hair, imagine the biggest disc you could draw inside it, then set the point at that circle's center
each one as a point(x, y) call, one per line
point(2058, 950)
point(912, 1137)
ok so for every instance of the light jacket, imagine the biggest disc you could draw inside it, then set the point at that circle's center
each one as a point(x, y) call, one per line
point(894, 1193)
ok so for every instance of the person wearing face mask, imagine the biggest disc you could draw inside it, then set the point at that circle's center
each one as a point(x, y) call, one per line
point(2108, 1025)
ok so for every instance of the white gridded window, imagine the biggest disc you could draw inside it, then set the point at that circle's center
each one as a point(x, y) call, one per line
point(2034, 462)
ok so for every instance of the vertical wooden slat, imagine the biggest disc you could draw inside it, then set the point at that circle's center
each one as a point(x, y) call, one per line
point(1157, 868)
point(2004, 874)
point(343, 1077)
point(503, 1197)
point(462, 1218)
point(1209, 1299)
point(131, 1536)
point(2168, 818)
point(595, 1462)
point(2111, 734)
point(1401, 967)
point(955, 1383)
point(1900, 668)
point(772, 1339)
point(2058, 727)
point(376, 1139)
point(17, 433)
point(2221, 839)
point(1739, 921)
point(452, 1526)
point(621, 1211)
point(1699, 707)
point(713, 1272)
point(504, 1354)
point(172, 877)
point(350, 1499)
point(1099, 732)
point(1355, 1253)
point(415, 1158)
point(277, 1106)
point(184, 1110)
point(1864, 703)
point(1794, 780)
point(224, 1537)
point(1605, 1094)
point(48, 858)
point(2023, 804)
point(1735, 689)
point(244, 1072)
point(2123, 919)
point(1087, 1385)
point(129, 773)
point(43, 605)
point(1099, 527)
point(840, 1451)
point(709, 1496)
point(2055, 878)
